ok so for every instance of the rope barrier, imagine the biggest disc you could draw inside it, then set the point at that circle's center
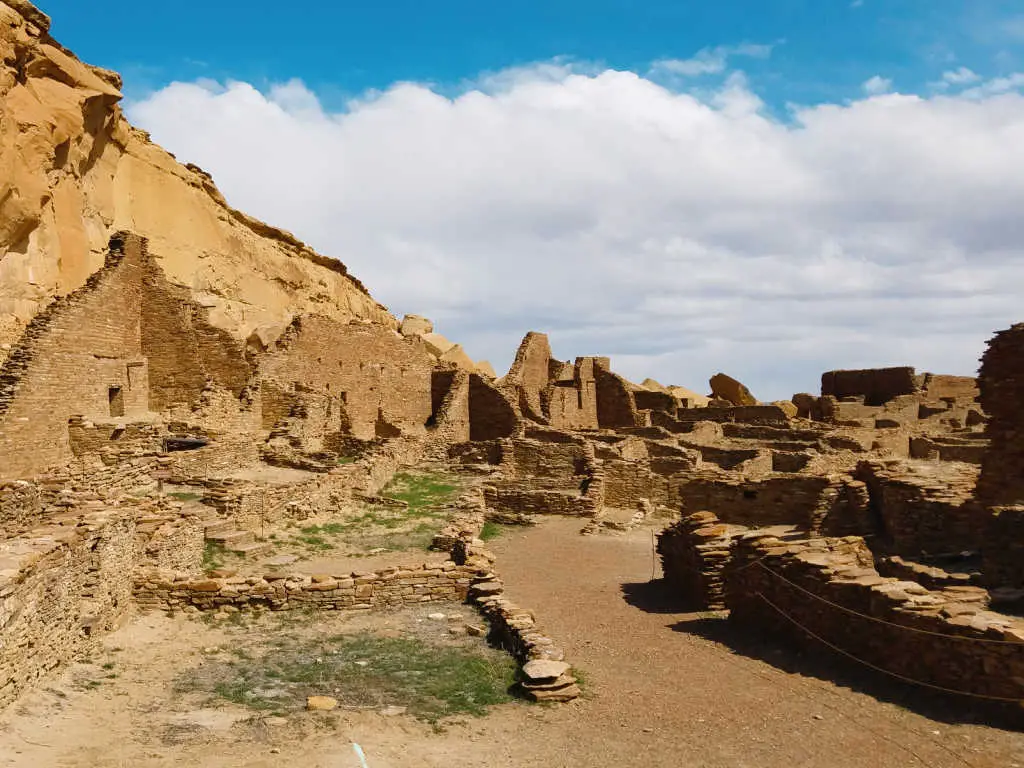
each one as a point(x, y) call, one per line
point(890, 673)
point(883, 621)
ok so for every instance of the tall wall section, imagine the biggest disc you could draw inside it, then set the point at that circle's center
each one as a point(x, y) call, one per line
point(73, 171)
point(76, 357)
point(382, 379)
point(124, 344)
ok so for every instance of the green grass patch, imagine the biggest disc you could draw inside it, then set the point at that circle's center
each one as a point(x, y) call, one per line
point(388, 528)
point(421, 491)
point(491, 530)
point(363, 671)
point(215, 556)
point(346, 460)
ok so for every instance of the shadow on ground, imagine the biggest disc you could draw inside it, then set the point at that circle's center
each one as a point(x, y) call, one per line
point(820, 663)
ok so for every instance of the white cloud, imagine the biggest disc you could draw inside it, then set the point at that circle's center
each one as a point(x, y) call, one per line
point(680, 234)
point(877, 85)
point(709, 61)
point(961, 76)
point(995, 86)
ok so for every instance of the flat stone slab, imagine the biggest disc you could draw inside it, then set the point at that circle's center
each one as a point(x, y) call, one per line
point(544, 669)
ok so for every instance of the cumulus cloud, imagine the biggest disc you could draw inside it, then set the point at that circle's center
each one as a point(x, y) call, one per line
point(877, 85)
point(995, 86)
point(709, 61)
point(960, 76)
point(681, 233)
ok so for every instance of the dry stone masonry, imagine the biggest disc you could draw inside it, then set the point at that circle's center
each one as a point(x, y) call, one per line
point(178, 378)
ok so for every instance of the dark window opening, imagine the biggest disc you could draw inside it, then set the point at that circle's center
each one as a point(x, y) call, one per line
point(115, 398)
point(749, 494)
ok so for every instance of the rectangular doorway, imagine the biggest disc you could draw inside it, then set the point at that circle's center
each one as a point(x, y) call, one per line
point(115, 397)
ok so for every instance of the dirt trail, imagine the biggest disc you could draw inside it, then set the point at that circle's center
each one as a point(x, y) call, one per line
point(651, 668)
point(666, 691)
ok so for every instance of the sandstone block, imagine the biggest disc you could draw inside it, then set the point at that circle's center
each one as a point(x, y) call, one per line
point(544, 670)
point(321, 703)
point(725, 387)
point(437, 344)
point(416, 325)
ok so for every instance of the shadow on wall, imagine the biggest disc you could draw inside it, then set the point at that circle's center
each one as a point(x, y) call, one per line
point(834, 670)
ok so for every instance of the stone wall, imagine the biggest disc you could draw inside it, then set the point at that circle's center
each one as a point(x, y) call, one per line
point(875, 385)
point(382, 380)
point(21, 506)
point(1002, 392)
point(528, 376)
point(75, 357)
point(828, 587)
point(793, 500)
point(616, 406)
point(572, 403)
point(185, 353)
point(694, 552)
point(59, 589)
point(923, 508)
point(1002, 547)
point(491, 414)
point(512, 503)
point(387, 588)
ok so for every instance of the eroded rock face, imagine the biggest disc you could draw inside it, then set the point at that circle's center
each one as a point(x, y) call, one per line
point(73, 171)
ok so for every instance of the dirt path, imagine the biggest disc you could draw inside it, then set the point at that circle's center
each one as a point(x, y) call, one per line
point(666, 690)
point(666, 695)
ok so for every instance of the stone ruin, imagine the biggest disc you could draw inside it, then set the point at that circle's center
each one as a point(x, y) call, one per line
point(883, 517)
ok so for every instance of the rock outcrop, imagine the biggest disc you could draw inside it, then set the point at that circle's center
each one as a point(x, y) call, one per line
point(73, 171)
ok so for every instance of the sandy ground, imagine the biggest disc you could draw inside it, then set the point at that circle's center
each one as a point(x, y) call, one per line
point(665, 689)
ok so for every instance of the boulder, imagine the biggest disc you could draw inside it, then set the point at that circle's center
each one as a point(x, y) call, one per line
point(457, 356)
point(727, 388)
point(436, 343)
point(416, 325)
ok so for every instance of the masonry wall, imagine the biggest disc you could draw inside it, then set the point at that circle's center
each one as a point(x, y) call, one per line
point(528, 376)
point(58, 592)
point(383, 379)
point(616, 406)
point(694, 552)
point(786, 500)
point(387, 588)
point(573, 404)
point(828, 587)
point(69, 360)
point(1001, 381)
point(919, 513)
point(491, 415)
point(876, 385)
point(184, 352)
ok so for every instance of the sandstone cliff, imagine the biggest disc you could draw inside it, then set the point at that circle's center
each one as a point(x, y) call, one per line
point(73, 171)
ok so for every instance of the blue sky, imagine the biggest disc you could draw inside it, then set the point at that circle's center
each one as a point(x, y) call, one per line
point(771, 189)
point(824, 49)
